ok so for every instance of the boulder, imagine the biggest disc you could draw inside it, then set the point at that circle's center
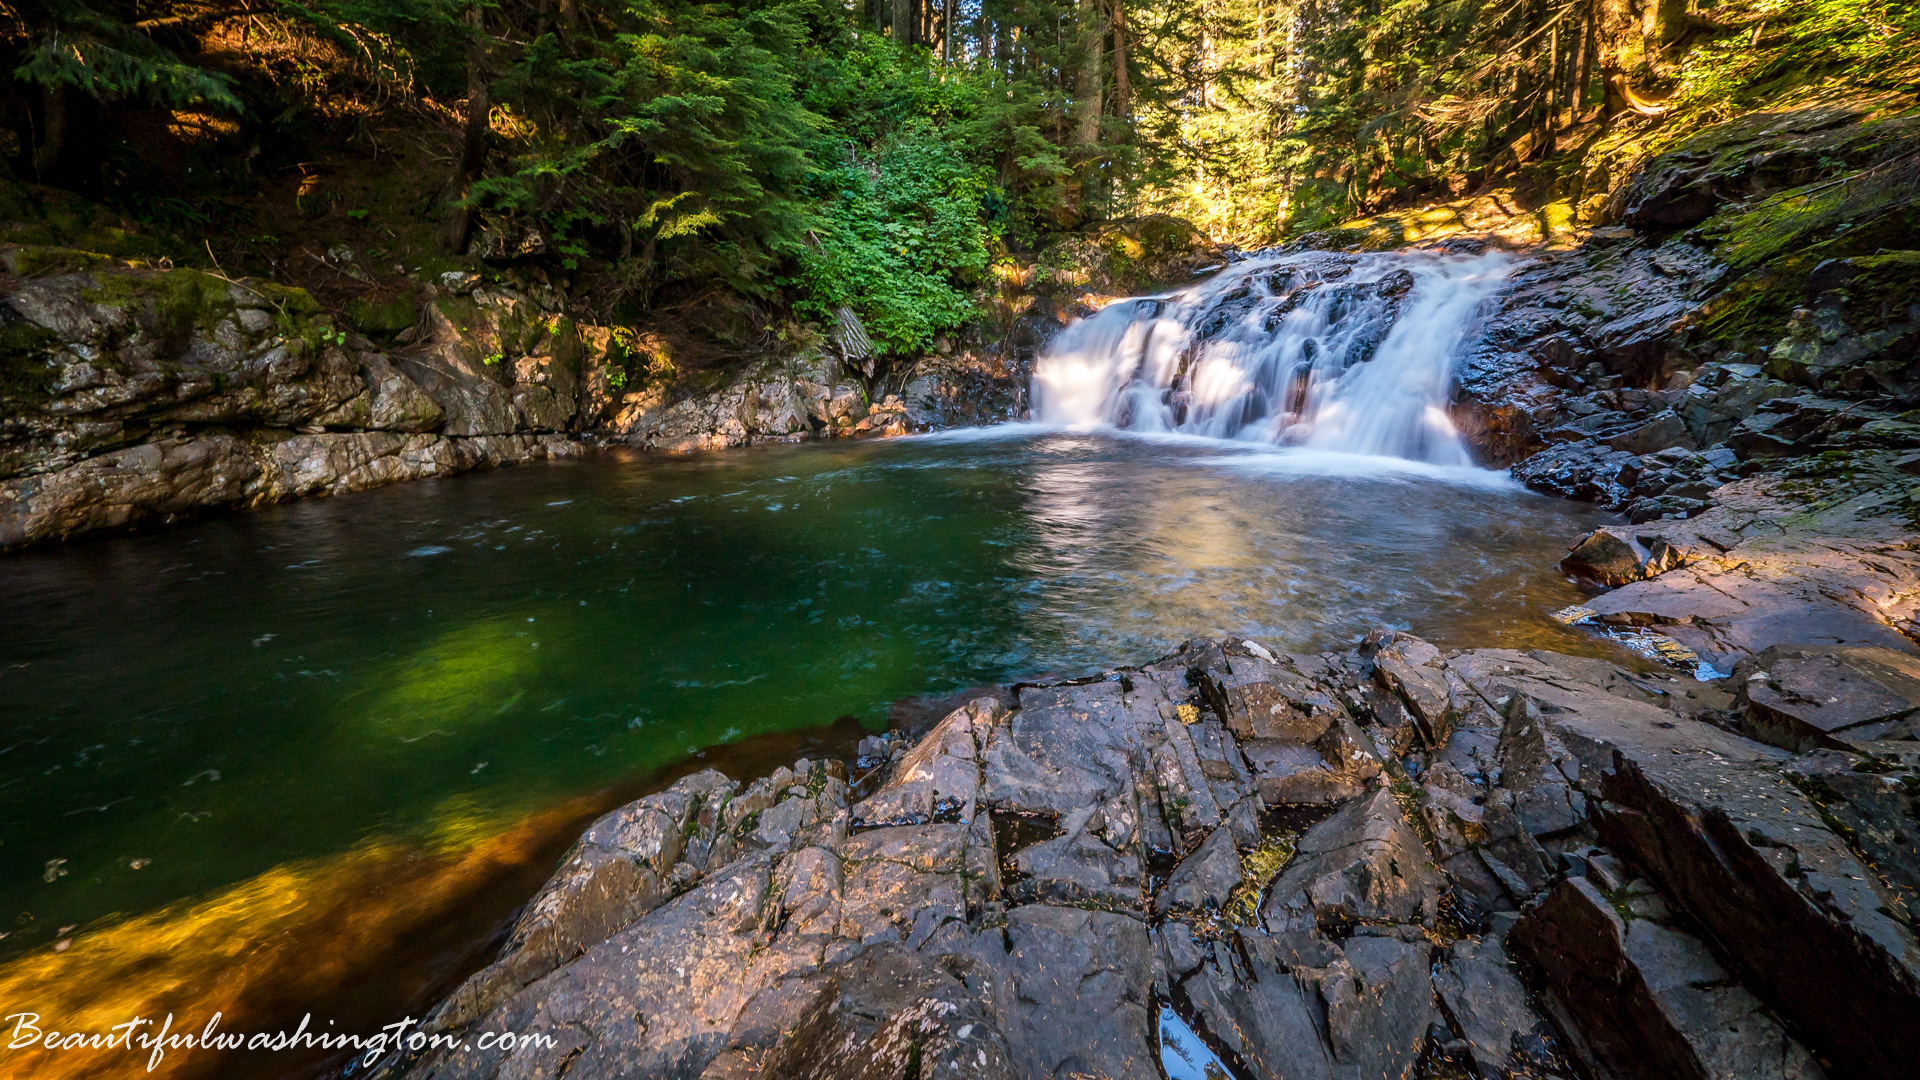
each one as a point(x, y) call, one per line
point(1614, 557)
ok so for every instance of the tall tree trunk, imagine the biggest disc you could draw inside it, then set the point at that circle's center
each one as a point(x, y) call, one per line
point(1666, 20)
point(1576, 68)
point(903, 22)
point(473, 146)
point(53, 113)
point(1122, 89)
point(1092, 82)
point(1590, 55)
point(1089, 89)
point(946, 26)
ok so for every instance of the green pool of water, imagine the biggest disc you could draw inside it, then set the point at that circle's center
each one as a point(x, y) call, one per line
point(189, 707)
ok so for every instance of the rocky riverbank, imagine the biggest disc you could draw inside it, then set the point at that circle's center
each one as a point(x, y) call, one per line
point(133, 392)
point(1382, 862)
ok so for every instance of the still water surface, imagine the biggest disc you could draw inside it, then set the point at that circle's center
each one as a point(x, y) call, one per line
point(424, 669)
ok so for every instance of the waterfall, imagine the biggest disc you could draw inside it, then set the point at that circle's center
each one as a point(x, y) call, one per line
point(1349, 353)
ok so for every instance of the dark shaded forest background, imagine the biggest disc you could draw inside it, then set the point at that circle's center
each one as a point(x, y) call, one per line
point(798, 156)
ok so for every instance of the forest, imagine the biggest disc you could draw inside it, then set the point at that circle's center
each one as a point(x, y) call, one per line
point(802, 156)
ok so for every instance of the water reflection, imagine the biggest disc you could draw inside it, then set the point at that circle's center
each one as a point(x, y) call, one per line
point(214, 730)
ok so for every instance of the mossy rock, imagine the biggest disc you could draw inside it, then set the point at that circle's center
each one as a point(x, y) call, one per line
point(33, 260)
point(382, 318)
point(25, 348)
point(45, 217)
point(1881, 287)
point(174, 304)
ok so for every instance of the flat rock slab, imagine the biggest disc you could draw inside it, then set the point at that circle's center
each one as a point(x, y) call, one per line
point(1800, 697)
point(1765, 567)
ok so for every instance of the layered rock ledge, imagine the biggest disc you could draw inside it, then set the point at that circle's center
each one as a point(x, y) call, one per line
point(134, 394)
point(1388, 862)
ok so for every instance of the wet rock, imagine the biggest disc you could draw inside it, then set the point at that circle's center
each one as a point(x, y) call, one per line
point(1636, 342)
point(1641, 511)
point(1365, 864)
point(1483, 996)
point(1582, 471)
point(1204, 879)
point(1614, 557)
point(1801, 697)
point(1660, 433)
point(886, 1013)
point(1721, 396)
point(1641, 999)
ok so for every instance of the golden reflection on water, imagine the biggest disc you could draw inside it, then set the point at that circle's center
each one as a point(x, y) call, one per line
point(267, 950)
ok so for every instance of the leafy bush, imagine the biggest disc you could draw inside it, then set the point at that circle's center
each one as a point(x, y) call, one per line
point(900, 239)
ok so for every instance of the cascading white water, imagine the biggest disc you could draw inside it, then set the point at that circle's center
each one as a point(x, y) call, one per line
point(1336, 352)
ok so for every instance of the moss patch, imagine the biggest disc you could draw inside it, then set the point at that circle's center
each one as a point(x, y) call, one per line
point(24, 350)
point(379, 318)
point(37, 261)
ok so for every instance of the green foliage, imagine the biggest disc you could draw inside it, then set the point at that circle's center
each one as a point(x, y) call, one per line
point(1873, 43)
point(796, 157)
point(680, 134)
point(899, 238)
point(108, 72)
point(103, 56)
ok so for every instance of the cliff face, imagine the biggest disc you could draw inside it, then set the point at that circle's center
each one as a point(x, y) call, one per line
point(153, 393)
point(136, 393)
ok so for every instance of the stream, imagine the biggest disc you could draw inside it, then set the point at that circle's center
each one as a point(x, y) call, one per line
point(311, 757)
